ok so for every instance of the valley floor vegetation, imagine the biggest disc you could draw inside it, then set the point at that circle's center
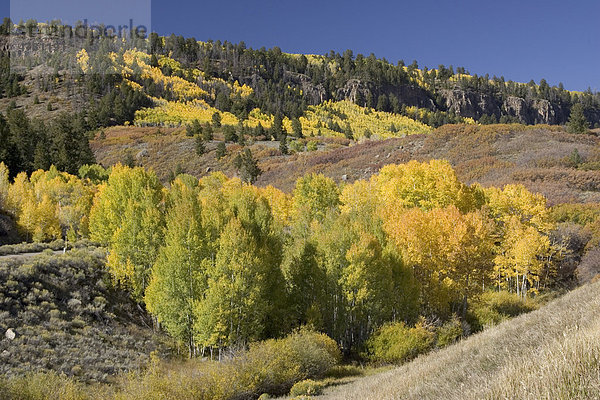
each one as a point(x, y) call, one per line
point(264, 289)
point(551, 353)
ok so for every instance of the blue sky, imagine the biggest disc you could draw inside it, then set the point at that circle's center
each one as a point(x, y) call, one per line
point(521, 40)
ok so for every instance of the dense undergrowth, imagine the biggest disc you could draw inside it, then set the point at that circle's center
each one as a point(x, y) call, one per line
point(66, 316)
point(550, 353)
point(271, 367)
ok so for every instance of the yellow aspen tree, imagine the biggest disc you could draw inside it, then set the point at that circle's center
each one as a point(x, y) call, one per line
point(433, 184)
point(46, 223)
point(127, 216)
point(450, 252)
point(524, 258)
point(316, 195)
point(179, 276)
point(18, 193)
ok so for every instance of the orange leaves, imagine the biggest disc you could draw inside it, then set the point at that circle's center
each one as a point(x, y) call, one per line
point(451, 252)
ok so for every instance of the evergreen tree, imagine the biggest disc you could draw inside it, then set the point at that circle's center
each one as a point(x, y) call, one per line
point(216, 119)
point(283, 147)
point(200, 146)
point(578, 123)
point(383, 102)
point(221, 150)
point(277, 127)
point(247, 166)
point(348, 132)
point(207, 133)
point(297, 128)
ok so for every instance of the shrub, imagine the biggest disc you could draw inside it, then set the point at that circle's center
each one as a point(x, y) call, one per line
point(307, 387)
point(271, 367)
point(281, 363)
point(43, 386)
point(343, 371)
point(297, 146)
point(449, 333)
point(495, 307)
point(396, 343)
point(312, 145)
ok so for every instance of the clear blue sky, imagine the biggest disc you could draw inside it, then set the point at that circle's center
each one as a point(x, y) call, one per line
point(521, 40)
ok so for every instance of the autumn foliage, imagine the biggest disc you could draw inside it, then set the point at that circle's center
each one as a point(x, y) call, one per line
point(220, 262)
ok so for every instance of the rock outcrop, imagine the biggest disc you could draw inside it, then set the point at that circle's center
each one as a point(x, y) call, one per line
point(469, 104)
point(315, 94)
point(358, 91)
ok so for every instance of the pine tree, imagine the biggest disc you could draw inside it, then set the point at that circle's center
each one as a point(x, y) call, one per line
point(200, 146)
point(216, 119)
point(348, 132)
point(207, 133)
point(247, 166)
point(4, 187)
point(277, 127)
point(383, 102)
point(578, 123)
point(283, 147)
point(297, 128)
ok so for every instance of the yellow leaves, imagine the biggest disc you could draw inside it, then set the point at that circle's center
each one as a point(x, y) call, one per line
point(83, 60)
point(47, 226)
point(424, 114)
point(516, 200)
point(323, 117)
point(451, 251)
point(423, 185)
point(316, 195)
point(39, 221)
point(359, 195)
point(121, 271)
point(524, 252)
point(243, 90)
point(134, 85)
point(49, 204)
point(282, 204)
point(174, 113)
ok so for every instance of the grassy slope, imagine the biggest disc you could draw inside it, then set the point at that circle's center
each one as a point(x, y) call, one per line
point(491, 155)
point(551, 353)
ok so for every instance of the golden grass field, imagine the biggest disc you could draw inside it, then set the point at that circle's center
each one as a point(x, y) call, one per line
point(551, 353)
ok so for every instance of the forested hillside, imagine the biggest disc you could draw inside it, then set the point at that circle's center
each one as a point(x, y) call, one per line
point(287, 220)
point(235, 79)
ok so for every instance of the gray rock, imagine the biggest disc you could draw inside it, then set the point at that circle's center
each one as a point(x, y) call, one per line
point(142, 154)
point(10, 334)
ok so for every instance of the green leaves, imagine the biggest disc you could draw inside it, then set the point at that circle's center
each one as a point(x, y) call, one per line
point(179, 276)
point(315, 195)
point(128, 217)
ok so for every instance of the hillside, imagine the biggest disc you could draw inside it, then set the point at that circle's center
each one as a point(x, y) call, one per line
point(184, 219)
point(65, 316)
point(538, 157)
point(551, 353)
point(183, 76)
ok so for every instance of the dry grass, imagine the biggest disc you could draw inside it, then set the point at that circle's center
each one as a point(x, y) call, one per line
point(551, 353)
point(493, 155)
